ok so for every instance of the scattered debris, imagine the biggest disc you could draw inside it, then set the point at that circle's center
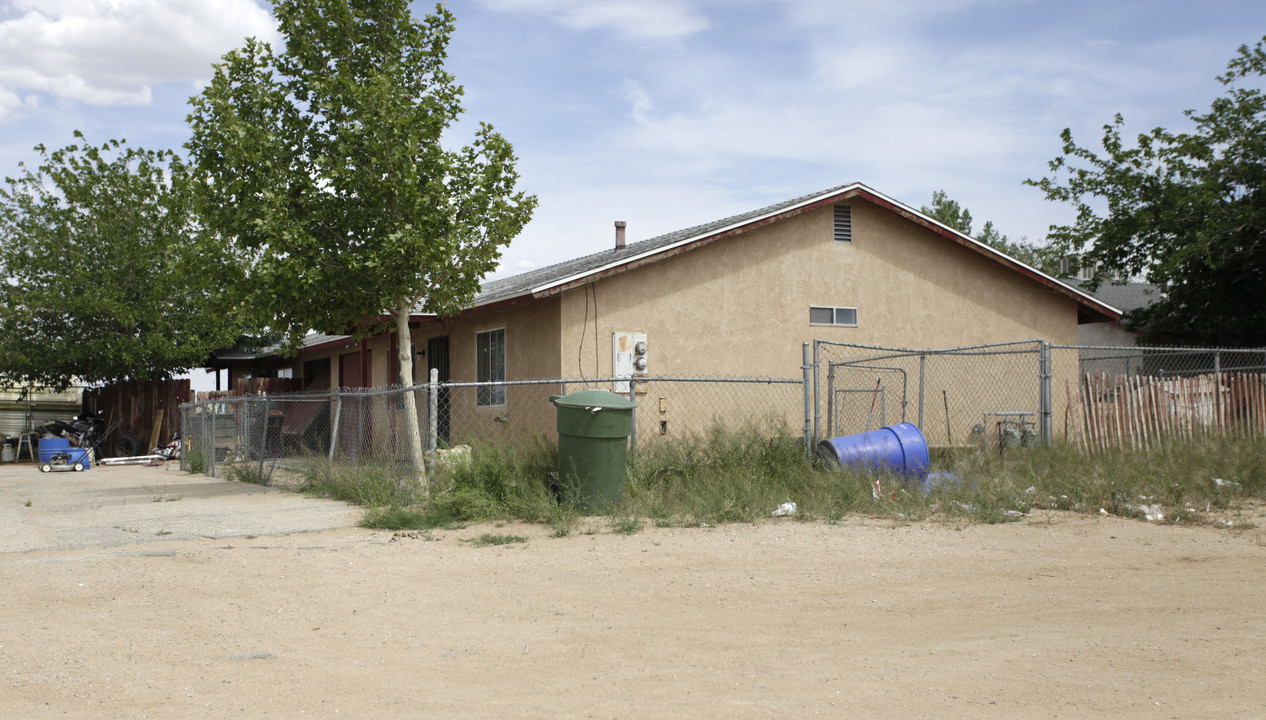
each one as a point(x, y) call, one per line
point(938, 479)
point(450, 458)
point(788, 508)
point(1151, 513)
point(413, 535)
point(134, 460)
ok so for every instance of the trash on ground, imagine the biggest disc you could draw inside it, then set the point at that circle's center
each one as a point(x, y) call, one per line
point(787, 508)
point(134, 460)
point(937, 479)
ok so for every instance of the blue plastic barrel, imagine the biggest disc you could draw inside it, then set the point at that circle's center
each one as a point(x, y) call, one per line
point(51, 446)
point(899, 449)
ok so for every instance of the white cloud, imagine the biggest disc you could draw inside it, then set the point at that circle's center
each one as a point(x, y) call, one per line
point(643, 19)
point(640, 103)
point(112, 52)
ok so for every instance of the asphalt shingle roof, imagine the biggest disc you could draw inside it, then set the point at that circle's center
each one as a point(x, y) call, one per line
point(541, 279)
point(1130, 296)
point(525, 283)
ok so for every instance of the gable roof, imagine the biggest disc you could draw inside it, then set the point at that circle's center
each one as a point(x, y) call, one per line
point(564, 276)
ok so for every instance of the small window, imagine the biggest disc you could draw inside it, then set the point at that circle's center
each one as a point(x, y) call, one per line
point(490, 367)
point(844, 316)
point(843, 223)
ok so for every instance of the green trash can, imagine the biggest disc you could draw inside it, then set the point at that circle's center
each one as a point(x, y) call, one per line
point(593, 445)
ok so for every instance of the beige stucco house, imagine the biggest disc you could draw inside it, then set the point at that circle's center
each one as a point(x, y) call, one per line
point(734, 297)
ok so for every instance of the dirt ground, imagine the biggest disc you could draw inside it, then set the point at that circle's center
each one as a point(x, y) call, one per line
point(1059, 616)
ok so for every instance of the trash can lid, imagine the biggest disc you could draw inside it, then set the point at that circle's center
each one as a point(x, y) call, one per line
point(593, 399)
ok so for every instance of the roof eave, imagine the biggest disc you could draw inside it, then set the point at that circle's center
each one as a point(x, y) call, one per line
point(1090, 309)
point(635, 260)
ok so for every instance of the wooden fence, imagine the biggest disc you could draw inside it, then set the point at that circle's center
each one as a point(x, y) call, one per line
point(1142, 412)
point(148, 411)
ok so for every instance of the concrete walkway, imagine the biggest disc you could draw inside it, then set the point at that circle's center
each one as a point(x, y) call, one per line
point(110, 506)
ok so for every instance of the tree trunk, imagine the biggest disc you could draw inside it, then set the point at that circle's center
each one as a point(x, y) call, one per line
point(404, 354)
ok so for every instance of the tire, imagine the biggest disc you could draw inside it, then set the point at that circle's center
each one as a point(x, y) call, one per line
point(79, 467)
point(126, 445)
point(46, 468)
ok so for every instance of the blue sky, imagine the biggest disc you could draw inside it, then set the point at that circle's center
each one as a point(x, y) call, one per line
point(669, 113)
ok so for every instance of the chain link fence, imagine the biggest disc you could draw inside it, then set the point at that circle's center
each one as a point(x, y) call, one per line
point(997, 395)
point(956, 396)
point(371, 425)
point(1021, 393)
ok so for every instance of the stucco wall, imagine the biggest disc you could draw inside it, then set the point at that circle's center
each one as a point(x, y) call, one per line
point(740, 306)
point(532, 341)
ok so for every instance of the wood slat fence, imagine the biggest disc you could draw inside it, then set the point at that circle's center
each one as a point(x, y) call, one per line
point(1143, 412)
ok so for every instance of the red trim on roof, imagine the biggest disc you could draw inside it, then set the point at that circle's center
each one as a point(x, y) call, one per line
point(686, 246)
point(1088, 309)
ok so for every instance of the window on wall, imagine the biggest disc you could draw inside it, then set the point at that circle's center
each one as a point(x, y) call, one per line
point(490, 367)
point(843, 316)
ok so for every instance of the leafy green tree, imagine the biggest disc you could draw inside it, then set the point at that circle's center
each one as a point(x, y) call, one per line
point(324, 163)
point(949, 212)
point(1185, 210)
point(104, 273)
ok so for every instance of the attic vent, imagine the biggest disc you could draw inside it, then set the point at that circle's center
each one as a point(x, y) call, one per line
point(843, 224)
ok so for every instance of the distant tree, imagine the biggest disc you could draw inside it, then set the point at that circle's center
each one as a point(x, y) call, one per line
point(324, 162)
point(1185, 210)
point(950, 213)
point(104, 272)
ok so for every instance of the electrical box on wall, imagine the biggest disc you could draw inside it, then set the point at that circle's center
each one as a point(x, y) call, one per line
point(628, 359)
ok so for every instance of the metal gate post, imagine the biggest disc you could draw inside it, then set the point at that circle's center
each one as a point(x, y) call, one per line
point(263, 442)
point(1044, 391)
point(807, 368)
point(923, 361)
point(831, 411)
point(817, 413)
point(433, 413)
point(633, 426)
point(209, 463)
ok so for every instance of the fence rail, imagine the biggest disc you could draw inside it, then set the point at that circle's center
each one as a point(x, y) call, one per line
point(996, 395)
point(1032, 391)
point(358, 425)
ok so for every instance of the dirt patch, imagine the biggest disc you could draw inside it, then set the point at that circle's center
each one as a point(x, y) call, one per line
point(1065, 615)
